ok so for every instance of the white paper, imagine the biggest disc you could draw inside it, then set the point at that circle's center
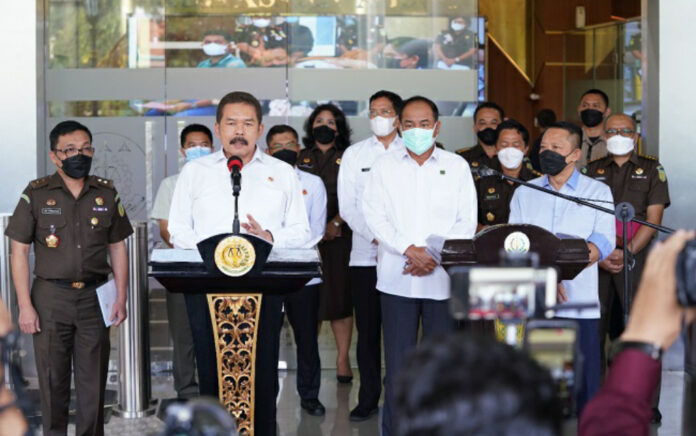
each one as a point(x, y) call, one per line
point(106, 294)
point(169, 255)
point(293, 255)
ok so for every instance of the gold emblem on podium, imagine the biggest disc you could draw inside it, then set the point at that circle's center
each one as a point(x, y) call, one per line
point(517, 242)
point(235, 256)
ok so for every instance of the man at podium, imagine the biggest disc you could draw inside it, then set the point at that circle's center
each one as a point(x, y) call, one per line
point(270, 200)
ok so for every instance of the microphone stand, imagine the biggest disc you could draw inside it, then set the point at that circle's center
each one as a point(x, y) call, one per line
point(623, 211)
point(236, 187)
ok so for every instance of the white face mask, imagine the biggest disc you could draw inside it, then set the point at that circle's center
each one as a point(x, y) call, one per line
point(214, 49)
point(619, 145)
point(261, 22)
point(381, 126)
point(457, 26)
point(510, 157)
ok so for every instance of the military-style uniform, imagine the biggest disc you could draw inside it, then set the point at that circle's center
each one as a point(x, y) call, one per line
point(266, 38)
point(494, 194)
point(335, 301)
point(591, 150)
point(71, 239)
point(455, 44)
point(642, 182)
point(477, 157)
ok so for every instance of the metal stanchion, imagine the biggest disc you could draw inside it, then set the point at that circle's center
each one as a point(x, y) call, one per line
point(6, 292)
point(689, 401)
point(134, 335)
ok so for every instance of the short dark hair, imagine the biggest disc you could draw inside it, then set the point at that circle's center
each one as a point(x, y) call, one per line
point(342, 127)
point(511, 124)
point(546, 117)
point(598, 92)
point(420, 98)
point(278, 129)
point(573, 130)
point(225, 34)
point(64, 128)
point(394, 98)
point(416, 47)
point(191, 128)
point(239, 97)
point(469, 385)
point(489, 105)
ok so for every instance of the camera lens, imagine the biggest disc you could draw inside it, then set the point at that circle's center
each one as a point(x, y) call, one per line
point(686, 275)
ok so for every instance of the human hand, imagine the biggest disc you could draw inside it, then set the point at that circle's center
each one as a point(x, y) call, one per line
point(656, 316)
point(332, 232)
point(449, 61)
point(118, 313)
point(29, 320)
point(561, 294)
point(419, 261)
point(254, 228)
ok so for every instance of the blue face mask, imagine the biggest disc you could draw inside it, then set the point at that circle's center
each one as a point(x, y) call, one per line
point(418, 140)
point(194, 153)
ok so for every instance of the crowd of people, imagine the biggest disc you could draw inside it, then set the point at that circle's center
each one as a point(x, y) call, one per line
point(368, 206)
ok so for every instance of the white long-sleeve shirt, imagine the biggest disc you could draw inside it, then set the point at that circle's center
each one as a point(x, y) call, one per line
point(356, 163)
point(314, 194)
point(404, 203)
point(203, 205)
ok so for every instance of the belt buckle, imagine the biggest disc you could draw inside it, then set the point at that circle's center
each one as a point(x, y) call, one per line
point(77, 285)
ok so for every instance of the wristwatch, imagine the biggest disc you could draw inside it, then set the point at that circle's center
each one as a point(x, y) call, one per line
point(652, 350)
point(336, 223)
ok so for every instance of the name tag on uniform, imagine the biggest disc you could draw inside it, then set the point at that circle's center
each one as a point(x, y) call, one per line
point(51, 211)
point(638, 177)
point(100, 209)
point(364, 170)
point(492, 197)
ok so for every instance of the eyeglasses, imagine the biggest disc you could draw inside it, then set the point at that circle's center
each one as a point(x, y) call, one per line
point(279, 146)
point(386, 113)
point(72, 151)
point(623, 132)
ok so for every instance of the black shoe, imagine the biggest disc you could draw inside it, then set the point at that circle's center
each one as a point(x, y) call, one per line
point(345, 379)
point(313, 407)
point(657, 416)
point(362, 414)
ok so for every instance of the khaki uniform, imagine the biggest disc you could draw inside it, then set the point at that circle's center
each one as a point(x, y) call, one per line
point(477, 158)
point(641, 182)
point(455, 44)
point(71, 238)
point(591, 150)
point(335, 301)
point(494, 194)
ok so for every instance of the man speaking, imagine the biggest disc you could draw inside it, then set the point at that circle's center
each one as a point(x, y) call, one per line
point(203, 206)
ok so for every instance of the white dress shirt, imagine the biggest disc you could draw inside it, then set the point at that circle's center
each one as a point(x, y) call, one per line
point(314, 194)
point(563, 217)
point(163, 199)
point(203, 205)
point(355, 170)
point(404, 203)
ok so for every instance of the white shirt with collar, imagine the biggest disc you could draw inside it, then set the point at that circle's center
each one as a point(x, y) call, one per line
point(405, 203)
point(356, 163)
point(314, 194)
point(203, 205)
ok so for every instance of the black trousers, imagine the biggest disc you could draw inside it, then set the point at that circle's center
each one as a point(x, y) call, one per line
point(73, 335)
point(302, 309)
point(267, 344)
point(368, 322)
point(183, 356)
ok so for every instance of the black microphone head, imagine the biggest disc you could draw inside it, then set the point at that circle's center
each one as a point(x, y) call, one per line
point(234, 162)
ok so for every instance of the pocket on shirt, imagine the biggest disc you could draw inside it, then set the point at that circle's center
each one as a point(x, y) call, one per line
point(44, 224)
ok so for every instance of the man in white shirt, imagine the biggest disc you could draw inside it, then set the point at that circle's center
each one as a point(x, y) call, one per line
point(196, 141)
point(355, 170)
point(411, 195)
point(560, 150)
point(271, 201)
point(302, 307)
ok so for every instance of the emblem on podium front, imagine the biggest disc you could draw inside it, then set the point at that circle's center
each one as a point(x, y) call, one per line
point(235, 256)
point(517, 242)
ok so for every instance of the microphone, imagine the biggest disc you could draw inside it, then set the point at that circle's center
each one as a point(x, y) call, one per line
point(484, 171)
point(234, 164)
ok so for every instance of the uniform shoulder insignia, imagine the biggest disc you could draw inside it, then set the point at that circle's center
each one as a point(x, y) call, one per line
point(39, 182)
point(598, 159)
point(463, 150)
point(536, 173)
point(107, 183)
point(646, 156)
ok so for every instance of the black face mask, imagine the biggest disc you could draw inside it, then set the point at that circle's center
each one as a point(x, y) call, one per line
point(552, 163)
point(78, 166)
point(591, 117)
point(324, 134)
point(287, 156)
point(487, 136)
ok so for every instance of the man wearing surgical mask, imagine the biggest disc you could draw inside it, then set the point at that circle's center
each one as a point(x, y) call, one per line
point(196, 141)
point(216, 47)
point(352, 176)
point(560, 150)
point(593, 110)
point(494, 193)
point(411, 194)
point(487, 116)
point(642, 182)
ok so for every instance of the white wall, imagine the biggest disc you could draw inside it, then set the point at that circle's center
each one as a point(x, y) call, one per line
point(18, 74)
point(677, 100)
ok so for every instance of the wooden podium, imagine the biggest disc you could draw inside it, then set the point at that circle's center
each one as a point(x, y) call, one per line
point(235, 306)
